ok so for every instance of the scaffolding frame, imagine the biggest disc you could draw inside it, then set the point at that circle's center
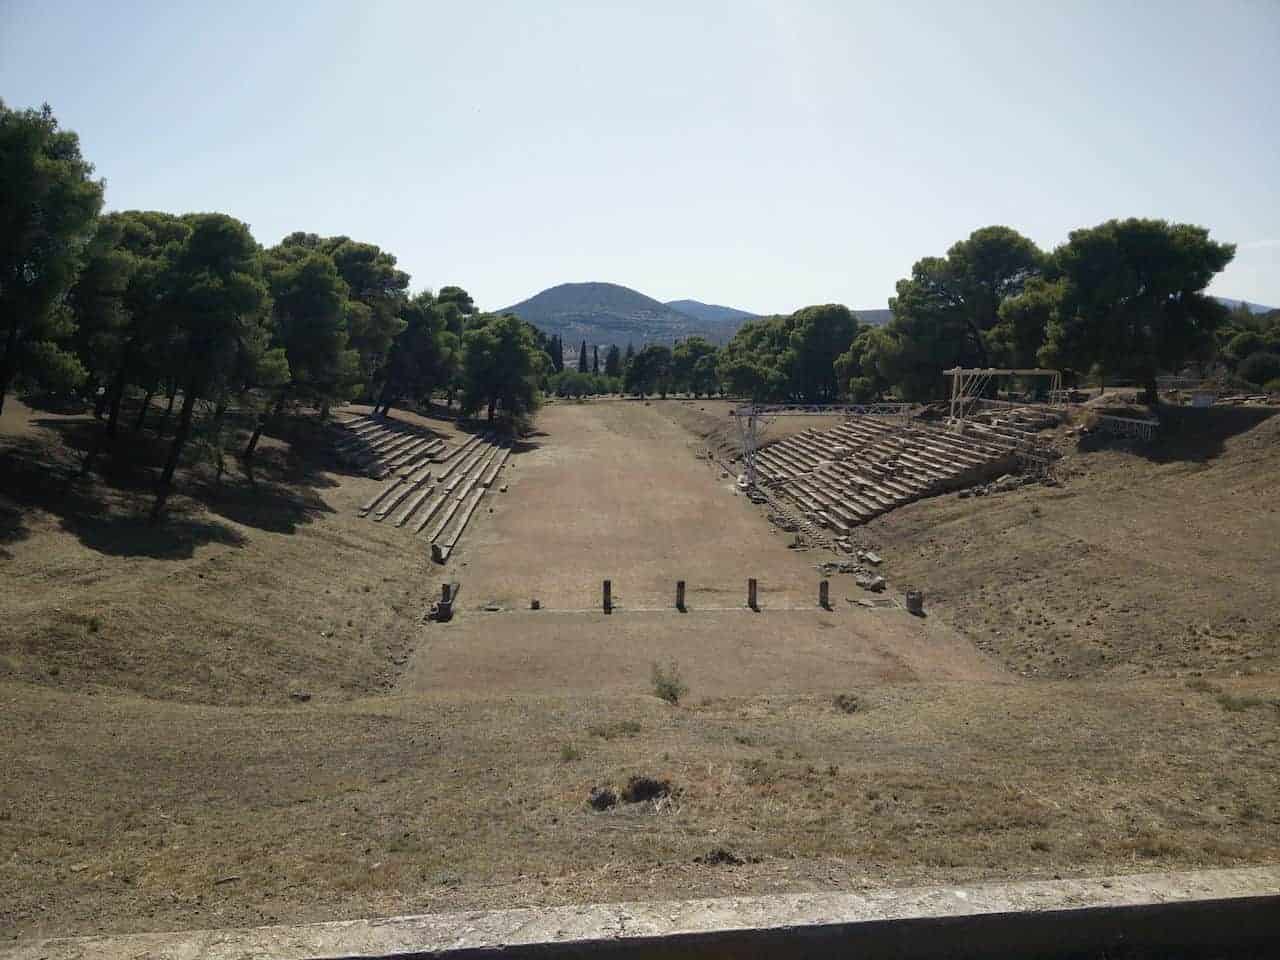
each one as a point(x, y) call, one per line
point(753, 419)
point(969, 383)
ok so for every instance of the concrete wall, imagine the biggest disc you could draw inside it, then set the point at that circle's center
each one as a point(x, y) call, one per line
point(1218, 914)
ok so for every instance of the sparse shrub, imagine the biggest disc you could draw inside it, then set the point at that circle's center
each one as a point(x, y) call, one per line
point(95, 624)
point(667, 684)
point(641, 788)
point(569, 753)
point(1201, 685)
point(1260, 367)
point(606, 731)
point(1150, 845)
point(847, 703)
point(1234, 704)
point(602, 798)
point(1040, 845)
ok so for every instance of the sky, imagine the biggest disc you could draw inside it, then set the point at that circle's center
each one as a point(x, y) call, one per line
point(764, 155)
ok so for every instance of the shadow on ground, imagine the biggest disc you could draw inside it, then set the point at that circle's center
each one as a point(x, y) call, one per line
point(1188, 434)
point(107, 510)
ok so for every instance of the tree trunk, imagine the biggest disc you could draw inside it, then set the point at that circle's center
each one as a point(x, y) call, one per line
point(168, 410)
point(175, 451)
point(385, 398)
point(219, 413)
point(117, 395)
point(1151, 392)
point(252, 445)
point(142, 411)
point(491, 403)
point(117, 388)
point(9, 362)
point(100, 401)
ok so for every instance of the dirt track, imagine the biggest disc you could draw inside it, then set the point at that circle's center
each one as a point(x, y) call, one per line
point(615, 487)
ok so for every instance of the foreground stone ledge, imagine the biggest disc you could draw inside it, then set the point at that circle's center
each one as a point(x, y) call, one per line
point(1216, 912)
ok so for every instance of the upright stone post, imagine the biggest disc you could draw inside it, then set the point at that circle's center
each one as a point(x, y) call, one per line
point(608, 596)
point(824, 594)
point(680, 595)
point(751, 594)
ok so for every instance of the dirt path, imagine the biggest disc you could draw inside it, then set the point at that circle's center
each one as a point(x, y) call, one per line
point(617, 490)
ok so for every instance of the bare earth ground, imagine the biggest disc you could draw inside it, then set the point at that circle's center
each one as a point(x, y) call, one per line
point(158, 776)
point(613, 490)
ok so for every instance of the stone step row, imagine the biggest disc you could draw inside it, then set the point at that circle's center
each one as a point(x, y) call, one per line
point(379, 446)
point(864, 467)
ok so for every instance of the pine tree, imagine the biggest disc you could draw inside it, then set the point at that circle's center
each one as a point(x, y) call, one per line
point(582, 358)
point(613, 362)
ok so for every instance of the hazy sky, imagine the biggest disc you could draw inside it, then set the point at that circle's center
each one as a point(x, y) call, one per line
point(763, 155)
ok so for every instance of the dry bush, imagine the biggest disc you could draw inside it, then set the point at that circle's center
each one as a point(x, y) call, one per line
point(667, 684)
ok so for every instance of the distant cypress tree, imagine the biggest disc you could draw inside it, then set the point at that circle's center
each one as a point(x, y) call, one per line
point(631, 354)
point(557, 353)
point(613, 362)
point(595, 359)
point(582, 358)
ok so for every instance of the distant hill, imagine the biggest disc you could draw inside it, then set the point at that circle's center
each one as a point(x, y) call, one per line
point(712, 312)
point(603, 313)
point(1253, 307)
point(877, 318)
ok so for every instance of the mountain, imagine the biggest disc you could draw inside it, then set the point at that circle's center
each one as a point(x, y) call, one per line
point(711, 312)
point(876, 318)
point(603, 313)
point(1253, 307)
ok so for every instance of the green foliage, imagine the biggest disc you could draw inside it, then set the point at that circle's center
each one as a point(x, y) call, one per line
point(693, 366)
point(945, 312)
point(1016, 340)
point(612, 362)
point(97, 299)
point(501, 367)
point(1260, 367)
point(649, 371)
point(48, 209)
point(571, 383)
point(427, 353)
point(789, 358)
point(310, 313)
point(1132, 298)
point(1244, 343)
point(53, 369)
point(378, 292)
point(856, 370)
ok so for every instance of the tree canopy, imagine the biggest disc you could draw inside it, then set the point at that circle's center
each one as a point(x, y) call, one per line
point(49, 204)
point(501, 367)
point(1131, 298)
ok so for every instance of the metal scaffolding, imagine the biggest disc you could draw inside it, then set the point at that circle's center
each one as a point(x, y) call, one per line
point(754, 418)
point(969, 384)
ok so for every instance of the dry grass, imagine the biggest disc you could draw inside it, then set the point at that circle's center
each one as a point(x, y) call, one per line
point(151, 749)
point(121, 814)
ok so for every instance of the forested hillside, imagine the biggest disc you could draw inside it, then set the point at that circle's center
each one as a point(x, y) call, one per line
point(608, 313)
